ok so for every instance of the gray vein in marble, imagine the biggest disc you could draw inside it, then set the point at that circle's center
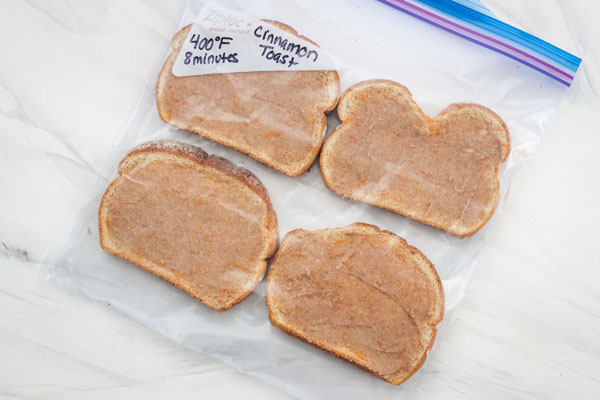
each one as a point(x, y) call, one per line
point(15, 252)
point(77, 16)
point(11, 108)
point(115, 377)
point(39, 304)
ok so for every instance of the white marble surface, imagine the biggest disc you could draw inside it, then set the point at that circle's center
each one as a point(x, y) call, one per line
point(528, 327)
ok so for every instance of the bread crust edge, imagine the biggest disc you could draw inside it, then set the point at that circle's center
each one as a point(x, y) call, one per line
point(333, 88)
point(196, 155)
point(294, 333)
point(344, 114)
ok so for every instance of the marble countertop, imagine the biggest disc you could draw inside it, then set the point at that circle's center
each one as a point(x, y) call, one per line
point(528, 326)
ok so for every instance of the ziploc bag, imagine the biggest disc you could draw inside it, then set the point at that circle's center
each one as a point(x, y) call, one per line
point(523, 81)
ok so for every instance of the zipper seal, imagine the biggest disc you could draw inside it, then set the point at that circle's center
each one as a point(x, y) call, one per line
point(494, 34)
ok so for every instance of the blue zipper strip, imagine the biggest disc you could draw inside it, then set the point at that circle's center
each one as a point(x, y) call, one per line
point(505, 30)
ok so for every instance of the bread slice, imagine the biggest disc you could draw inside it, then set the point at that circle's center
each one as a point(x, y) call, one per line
point(441, 171)
point(192, 219)
point(359, 293)
point(276, 117)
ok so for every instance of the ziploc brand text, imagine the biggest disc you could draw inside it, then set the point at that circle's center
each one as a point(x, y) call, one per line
point(226, 19)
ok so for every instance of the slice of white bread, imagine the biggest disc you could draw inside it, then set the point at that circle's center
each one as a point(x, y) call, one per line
point(359, 293)
point(276, 117)
point(441, 171)
point(194, 220)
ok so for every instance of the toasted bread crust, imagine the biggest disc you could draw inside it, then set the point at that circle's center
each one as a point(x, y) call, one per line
point(198, 156)
point(333, 87)
point(277, 319)
point(349, 108)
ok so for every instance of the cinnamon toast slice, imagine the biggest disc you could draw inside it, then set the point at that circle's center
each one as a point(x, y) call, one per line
point(359, 293)
point(275, 117)
point(441, 171)
point(194, 220)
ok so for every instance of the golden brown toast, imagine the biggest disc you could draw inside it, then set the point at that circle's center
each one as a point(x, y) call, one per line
point(359, 293)
point(276, 117)
point(441, 171)
point(194, 220)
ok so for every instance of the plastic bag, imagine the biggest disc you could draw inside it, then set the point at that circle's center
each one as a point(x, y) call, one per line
point(371, 40)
